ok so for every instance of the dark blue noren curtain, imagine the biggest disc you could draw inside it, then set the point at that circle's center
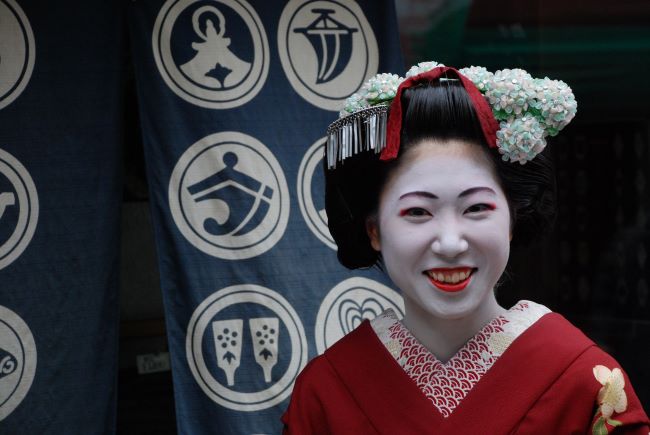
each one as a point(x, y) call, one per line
point(235, 97)
point(60, 193)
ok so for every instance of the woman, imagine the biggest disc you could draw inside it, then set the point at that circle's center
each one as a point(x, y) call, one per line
point(434, 193)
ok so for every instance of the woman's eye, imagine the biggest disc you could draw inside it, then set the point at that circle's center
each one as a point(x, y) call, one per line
point(478, 208)
point(414, 212)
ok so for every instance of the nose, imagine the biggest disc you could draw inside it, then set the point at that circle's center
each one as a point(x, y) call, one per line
point(450, 241)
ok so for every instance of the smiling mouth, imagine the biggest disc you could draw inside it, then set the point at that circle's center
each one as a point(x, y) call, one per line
point(450, 279)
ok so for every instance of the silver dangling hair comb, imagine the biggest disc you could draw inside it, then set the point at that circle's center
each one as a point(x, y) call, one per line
point(363, 130)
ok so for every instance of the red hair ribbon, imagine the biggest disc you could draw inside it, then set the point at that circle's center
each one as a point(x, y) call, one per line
point(489, 124)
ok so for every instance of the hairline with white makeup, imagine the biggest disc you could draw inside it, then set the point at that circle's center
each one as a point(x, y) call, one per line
point(456, 240)
point(411, 154)
point(352, 189)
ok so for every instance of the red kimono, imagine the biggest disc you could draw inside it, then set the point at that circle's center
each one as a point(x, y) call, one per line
point(519, 375)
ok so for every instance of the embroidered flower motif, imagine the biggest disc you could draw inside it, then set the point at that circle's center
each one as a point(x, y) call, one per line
point(394, 347)
point(500, 341)
point(611, 397)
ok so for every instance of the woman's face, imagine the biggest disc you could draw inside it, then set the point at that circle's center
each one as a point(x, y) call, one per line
point(443, 228)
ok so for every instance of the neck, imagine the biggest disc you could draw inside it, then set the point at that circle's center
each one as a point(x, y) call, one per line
point(444, 337)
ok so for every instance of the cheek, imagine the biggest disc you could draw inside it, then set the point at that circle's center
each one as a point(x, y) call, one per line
point(403, 252)
point(398, 247)
point(398, 237)
point(496, 243)
point(401, 257)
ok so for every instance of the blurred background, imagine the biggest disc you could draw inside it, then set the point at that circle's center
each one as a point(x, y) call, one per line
point(593, 268)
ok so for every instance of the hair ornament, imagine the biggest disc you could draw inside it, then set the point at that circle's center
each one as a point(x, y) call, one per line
point(422, 67)
point(481, 106)
point(380, 89)
point(363, 130)
point(516, 111)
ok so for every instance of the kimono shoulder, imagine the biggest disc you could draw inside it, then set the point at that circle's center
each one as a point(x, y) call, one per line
point(321, 402)
point(574, 401)
point(357, 387)
point(550, 380)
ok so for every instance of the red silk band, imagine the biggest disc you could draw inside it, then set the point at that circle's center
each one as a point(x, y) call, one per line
point(489, 124)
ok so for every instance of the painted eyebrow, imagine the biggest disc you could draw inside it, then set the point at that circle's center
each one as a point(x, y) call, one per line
point(464, 193)
point(475, 190)
point(419, 193)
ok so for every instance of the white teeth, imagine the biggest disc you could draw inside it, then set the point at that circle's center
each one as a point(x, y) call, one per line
point(450, 278)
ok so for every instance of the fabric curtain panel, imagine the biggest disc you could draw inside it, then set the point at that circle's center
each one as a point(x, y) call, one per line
point(234, 99)
point(60, 197)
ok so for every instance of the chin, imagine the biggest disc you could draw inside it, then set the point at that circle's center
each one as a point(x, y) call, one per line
point(450, 314)
point(447, 310)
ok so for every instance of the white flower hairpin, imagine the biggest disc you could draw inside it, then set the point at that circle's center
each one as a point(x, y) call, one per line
point(523, 111)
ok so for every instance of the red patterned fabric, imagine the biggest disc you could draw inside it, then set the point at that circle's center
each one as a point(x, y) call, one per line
point(543, 383)
point(489, 124)
point(445, 385)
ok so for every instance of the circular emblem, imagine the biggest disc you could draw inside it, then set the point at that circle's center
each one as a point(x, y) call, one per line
point(245, 346)
point(350, 303)
point(327, 50)
point(229, 197)
point(17, 51)
point(18, 208)
point(17, 361)
point(213, 54)
point(310, 181)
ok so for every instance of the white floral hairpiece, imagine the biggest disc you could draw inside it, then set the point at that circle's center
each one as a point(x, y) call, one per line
point(380, 89)
point(528, 110)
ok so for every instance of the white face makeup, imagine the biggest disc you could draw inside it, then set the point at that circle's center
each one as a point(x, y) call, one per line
point(444, 229)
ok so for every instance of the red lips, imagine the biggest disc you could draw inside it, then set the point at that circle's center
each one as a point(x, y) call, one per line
point(446, 286)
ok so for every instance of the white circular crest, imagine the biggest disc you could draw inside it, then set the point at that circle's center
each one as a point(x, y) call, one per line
point(348, 304)
point(17, 360)
point(327, 49)
point(18, 208)
point(212, 55)
point(229, 197)
point(206, 318)
point(17, 51)
point(316, 219)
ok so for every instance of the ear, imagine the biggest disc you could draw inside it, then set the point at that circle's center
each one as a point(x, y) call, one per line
point(372, 229)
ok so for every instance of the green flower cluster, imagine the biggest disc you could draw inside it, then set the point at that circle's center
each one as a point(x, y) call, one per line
point(481, 77)
point(520, 139)
point(380, 89)
point(422, 67)
point(528, 109)
point(555, 103)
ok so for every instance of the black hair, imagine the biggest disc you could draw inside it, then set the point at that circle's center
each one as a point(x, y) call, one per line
point(442, 111)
